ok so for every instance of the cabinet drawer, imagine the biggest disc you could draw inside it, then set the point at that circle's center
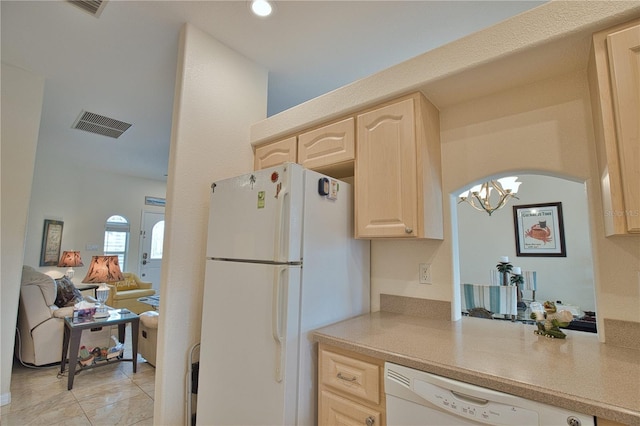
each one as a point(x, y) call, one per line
point(335, 410)
point(328, 145)
point(352, 376)
point(275, 153)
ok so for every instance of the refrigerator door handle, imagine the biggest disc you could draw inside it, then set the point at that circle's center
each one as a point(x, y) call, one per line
point(279, 319)
point(280, 217)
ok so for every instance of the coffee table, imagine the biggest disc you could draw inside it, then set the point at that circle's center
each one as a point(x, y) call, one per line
point(73, 327)
point(153, 301)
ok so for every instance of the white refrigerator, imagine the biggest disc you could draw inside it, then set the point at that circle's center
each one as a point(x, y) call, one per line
point(281, 261)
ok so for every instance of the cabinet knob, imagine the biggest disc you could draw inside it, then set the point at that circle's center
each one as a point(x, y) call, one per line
point(370, 421)
point(408, 230)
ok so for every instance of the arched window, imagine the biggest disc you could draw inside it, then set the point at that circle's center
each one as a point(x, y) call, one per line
point(116, 239)
point(157, 240)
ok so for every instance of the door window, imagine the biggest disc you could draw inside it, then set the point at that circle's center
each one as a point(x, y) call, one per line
point(157, 240)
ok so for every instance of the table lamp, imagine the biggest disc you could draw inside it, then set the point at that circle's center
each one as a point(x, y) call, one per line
point(102, 270)
point(70, 259)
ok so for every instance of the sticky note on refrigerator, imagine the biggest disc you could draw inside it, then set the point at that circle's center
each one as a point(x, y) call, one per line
point(261, 199)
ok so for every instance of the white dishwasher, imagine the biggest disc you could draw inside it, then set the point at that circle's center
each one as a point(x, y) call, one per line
point(418, 398)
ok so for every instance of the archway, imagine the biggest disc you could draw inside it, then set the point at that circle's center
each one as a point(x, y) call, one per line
point(480, 240)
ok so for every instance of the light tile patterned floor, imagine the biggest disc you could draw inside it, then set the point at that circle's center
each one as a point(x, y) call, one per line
point(109, 395)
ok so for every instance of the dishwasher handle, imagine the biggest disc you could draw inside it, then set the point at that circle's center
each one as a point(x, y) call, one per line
point(469, 398)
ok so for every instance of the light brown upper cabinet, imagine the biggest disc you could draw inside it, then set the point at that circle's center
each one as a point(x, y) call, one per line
point(398, 184)
point(614, 78)
point(275, 153)
point(330, 148)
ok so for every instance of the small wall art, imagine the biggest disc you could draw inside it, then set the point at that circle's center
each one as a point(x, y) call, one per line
point(539, 230)
point(51, 241)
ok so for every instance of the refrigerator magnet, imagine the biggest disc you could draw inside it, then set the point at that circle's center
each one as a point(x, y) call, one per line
point(261, 199)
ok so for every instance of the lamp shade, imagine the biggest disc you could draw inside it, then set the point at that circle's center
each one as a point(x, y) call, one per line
point(103, 269)
point(70, 259)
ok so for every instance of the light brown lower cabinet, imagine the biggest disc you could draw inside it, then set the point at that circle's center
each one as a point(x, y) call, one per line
point(336, 410)
point(351, 388)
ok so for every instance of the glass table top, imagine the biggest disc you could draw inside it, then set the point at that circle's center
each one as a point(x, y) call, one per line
point(115, 315)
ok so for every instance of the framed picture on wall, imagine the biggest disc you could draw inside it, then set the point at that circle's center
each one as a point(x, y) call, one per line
point(539, 230)
point(51, 241)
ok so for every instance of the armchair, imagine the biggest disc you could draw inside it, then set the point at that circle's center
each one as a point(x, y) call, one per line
point(41, 322)
point(125, 293)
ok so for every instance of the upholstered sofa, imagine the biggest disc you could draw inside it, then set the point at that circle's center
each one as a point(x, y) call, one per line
point(125, 293)
point(41, 321)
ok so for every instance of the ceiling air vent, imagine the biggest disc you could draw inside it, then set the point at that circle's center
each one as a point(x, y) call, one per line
point(94, 7)
point(95, 123)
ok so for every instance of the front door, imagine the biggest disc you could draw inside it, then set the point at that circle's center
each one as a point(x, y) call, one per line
point(151, 241)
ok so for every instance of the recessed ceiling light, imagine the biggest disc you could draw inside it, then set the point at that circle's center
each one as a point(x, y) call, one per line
point(261, 7)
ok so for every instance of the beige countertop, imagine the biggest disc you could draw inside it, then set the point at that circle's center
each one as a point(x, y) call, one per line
point(578, 373)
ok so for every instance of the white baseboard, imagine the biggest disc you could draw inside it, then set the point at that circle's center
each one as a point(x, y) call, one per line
point(5, 398)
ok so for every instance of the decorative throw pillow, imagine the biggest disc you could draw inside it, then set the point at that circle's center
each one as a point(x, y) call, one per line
point(67, 293)
point(127, 284)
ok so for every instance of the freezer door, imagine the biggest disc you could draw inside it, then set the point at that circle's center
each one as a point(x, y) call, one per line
point(249, 344)
point(257, 216)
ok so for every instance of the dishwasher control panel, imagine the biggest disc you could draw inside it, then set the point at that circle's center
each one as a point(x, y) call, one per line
point(417, 397)
point(478, 409)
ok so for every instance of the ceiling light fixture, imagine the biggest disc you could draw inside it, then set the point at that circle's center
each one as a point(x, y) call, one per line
point(261, 8)
point(480, 198)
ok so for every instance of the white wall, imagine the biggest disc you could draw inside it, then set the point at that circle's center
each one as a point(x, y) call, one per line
point(22, 94)
point(218, 95)
point(482, 239)
point(83, 199)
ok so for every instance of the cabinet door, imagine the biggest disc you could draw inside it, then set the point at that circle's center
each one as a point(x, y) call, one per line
point(624, 64)
point(335, 410)
point(275, 153)
point(386, 188)
point(328, 146)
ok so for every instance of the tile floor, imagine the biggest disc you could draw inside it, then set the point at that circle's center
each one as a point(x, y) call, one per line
point(109, 395)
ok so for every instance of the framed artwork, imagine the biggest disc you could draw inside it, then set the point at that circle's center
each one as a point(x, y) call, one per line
point(155, 201)
point(539, 230)
point(51, 241)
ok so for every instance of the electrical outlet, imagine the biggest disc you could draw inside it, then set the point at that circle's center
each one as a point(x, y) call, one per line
point(425, 273)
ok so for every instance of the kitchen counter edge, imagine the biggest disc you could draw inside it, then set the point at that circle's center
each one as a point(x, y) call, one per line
point(396, 338)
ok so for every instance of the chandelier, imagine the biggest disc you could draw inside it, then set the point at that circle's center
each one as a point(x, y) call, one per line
point(480, 196)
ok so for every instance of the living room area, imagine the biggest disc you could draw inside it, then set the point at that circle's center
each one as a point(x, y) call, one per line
point(57, 188)
point(45, 389)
